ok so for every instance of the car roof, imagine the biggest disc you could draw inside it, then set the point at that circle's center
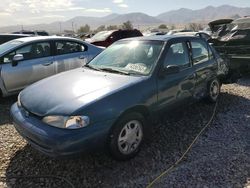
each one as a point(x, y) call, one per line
point(39, 38)
point(11, 34)
point(163, 38)
point(186, 33)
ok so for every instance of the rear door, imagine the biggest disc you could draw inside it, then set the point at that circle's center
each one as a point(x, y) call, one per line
point(70, 55)
point(204, 66)
point(37, 64)
point(177, 88)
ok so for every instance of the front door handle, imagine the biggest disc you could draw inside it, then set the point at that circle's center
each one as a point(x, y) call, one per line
point(191, 77)
point(48, 63)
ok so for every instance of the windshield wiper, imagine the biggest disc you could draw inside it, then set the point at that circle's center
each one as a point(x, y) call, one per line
point(91, 67)
point(114, 71)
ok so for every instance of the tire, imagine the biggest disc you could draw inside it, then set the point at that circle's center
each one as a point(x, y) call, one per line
point(213, 90)
point(126, 136)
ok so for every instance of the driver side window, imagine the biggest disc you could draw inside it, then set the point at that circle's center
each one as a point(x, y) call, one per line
point(32, 51)
point(177, 55)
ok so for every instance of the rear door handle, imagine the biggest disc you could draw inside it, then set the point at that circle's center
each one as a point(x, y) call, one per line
point(82, 57)
point(48, 63)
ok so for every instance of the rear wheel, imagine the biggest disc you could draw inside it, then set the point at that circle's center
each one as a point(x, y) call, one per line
point(213, 91)
point(126, 137)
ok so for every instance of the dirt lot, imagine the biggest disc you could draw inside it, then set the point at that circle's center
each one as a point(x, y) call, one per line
point(220, 158)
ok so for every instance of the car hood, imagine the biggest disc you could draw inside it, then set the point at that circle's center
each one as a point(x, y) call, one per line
point(65, 93)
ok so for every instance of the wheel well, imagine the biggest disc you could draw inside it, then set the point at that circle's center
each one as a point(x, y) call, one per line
point(143, 110)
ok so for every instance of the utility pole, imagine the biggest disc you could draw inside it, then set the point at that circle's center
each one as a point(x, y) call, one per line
point(60, 25)
point(73, 27)
point(76, 27)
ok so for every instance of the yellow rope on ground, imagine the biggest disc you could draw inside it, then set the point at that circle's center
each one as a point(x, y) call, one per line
point(166, 172)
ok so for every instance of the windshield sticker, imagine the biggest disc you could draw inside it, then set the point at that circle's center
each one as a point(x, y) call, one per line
point(136, 67)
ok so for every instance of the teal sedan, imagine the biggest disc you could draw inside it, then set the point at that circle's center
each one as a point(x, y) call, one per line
point(114, 100)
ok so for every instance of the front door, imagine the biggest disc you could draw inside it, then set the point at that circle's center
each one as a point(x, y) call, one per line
point(37, 64)
point(177, 88)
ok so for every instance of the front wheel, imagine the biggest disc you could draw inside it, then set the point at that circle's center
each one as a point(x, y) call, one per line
point(126, 136)
point(213, 90)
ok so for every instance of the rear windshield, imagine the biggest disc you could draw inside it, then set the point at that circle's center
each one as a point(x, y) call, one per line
point(101, 36)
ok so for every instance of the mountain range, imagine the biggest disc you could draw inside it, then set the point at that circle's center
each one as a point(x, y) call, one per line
point(180, 16)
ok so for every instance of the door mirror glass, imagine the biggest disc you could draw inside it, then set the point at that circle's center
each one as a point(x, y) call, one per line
point(16, 59)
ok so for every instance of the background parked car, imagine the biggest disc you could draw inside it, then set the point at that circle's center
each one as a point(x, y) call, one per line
point(36, 32)
point(106, 38)
point(26, 60)
point(114, 99)
point(231, 38)
point(171, 32)
point(196, 34)
point(7, 37)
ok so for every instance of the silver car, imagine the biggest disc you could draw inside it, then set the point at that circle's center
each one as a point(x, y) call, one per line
point(26, 60)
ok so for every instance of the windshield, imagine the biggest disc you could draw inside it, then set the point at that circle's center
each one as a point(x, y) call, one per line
point(131, 57)
point(101, 36)
point(9, 45)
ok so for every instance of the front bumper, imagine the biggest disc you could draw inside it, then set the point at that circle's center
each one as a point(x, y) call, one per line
point(57, 142)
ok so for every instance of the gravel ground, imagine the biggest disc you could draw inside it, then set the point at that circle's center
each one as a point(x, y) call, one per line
point(220, 157)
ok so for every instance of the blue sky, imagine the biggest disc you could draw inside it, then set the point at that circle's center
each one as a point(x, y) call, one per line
point(45, 11)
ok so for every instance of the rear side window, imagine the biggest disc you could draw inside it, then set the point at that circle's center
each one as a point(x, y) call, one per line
point(32, 51)
point(178, 55)
point(67, 47)
point(199, 52)
point(131, 33)
point(135, 33)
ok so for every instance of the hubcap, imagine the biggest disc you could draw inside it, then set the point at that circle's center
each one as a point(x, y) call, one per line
point(130, 137)
point(214, 89)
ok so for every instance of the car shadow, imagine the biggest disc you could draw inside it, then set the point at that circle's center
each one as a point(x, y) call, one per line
point(168, 142)
point(5, 105)
point(244, 81)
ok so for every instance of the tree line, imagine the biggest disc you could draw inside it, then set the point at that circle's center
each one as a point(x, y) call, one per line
point(128, 25)
point(86, 28)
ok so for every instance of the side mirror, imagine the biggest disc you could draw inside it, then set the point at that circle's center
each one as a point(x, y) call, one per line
point(171, 69)
point(16, 59)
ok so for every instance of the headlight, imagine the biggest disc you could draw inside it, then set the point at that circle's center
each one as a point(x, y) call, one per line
point(72, 122)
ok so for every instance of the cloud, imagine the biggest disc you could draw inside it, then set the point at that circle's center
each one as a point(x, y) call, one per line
point(105, 10)
point(117, 1)
point(53, 16)
point(123, 5)
point(38, 6)
point(46, 6)
point(44, 11)
point(13, 7)
point(49, 16)
point(5, 14)
point(120, 3)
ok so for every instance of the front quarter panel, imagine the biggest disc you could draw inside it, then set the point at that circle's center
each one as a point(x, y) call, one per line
point(113, 105)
